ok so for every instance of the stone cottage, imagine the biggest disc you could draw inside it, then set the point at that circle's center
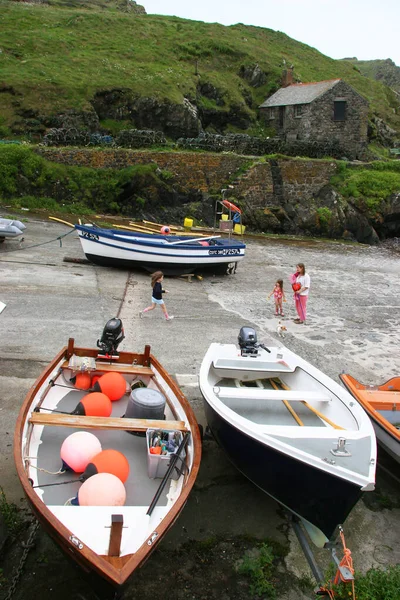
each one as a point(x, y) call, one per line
point(323, 111)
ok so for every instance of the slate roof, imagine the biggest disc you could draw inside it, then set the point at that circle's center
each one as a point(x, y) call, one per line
point(299, 93)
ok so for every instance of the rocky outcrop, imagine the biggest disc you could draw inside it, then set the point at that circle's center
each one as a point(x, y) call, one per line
point(174, 120)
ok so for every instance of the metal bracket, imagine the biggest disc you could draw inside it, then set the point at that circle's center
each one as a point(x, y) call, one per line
point(341, 449)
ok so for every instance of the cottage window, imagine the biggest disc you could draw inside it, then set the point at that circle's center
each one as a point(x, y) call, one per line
point(298, 110)
point(271, 112)
point(339, 110)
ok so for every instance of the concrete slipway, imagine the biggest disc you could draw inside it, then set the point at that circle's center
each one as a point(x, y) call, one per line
point(353, 325)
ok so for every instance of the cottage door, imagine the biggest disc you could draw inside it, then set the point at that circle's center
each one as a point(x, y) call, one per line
point(281, 116)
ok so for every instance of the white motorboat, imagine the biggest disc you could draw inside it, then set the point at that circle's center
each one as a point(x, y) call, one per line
point(292, 430)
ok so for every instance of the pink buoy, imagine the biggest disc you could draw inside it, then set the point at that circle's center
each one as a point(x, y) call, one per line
point(165, 230)
point(78, 449)
point(102, 489)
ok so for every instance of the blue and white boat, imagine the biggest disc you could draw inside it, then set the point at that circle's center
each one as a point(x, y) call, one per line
point(172, 254)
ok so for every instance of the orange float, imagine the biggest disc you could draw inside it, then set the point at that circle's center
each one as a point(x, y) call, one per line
point(94, 404)
point(111, 384)
point(231, 206)
point(83, 381)
point(108, 461)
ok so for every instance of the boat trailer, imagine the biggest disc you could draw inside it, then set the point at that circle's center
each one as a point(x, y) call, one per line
point(344, 572)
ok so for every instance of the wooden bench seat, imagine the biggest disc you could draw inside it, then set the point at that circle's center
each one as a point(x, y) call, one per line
point(381, 400)
point(265, 394)
point(123, 369)
point(83, 422)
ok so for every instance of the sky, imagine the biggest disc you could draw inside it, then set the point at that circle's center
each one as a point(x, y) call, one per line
point(366, 29)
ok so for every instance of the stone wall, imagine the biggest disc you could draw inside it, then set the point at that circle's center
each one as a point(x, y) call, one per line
point(191, 171)
point(287, 196)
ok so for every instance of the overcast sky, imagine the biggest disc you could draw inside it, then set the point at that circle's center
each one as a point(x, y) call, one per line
point(367, 29)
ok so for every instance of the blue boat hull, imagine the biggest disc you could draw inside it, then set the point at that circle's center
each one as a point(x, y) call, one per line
point(314, 495)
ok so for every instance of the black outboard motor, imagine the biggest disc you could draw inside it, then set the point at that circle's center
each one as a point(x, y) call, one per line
point(113, 334)
point(248, 341)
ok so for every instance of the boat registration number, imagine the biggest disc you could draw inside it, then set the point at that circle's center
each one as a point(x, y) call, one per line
point(89, 236)
point(224, 252)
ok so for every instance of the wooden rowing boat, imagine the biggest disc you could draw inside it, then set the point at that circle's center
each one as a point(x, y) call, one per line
point(290, 429)
point(382, 403)
point(109, 541)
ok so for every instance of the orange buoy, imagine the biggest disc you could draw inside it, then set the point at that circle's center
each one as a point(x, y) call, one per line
point(111, 384)
point(108, 461)
point(83, 381)
point(95, 378)
point(94, 404)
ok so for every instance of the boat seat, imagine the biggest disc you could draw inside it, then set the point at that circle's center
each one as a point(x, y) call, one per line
point(256, 393)
point(116, 423)
point(123, 369)
point(381, 400)
point(251, 365)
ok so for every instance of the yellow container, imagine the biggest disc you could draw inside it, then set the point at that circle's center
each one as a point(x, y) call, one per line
point(188, 222)
point(224, 217)
point(239, 228)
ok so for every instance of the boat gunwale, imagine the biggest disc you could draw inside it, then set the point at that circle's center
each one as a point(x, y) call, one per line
point(87, 558)
point(115, 235)
point(372, 412)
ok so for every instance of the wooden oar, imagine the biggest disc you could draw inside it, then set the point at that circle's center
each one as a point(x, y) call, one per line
point(290, 409)
point(204, 239)
point(61, 221)
point(314, 410)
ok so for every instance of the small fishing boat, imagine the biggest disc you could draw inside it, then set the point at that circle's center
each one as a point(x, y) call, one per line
point(106, 472)
point(172, 254)
point(290, 429)
point(10, 228)
point(382, 403)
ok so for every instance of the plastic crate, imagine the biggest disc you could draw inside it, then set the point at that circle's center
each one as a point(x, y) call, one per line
point(157, 464)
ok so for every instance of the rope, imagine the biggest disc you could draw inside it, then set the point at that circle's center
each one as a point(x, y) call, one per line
point(37, 245)
point(59, 472)
point(347, 562)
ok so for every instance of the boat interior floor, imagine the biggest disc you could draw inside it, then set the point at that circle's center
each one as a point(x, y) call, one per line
point(274, 412)
point(140, 488)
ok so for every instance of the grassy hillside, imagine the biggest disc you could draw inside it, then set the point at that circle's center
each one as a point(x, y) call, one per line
point(56, 57)
point(385, 71)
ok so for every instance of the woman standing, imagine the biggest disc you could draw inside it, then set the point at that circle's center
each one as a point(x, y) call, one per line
point(301, 294)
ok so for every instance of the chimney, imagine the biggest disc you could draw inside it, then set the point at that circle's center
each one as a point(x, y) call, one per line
point(287, 77)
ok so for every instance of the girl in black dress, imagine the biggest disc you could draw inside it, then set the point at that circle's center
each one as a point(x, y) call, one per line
point(156, 296)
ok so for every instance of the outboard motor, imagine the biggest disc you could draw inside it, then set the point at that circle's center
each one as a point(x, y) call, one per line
point(248, 341)
point(113, 334)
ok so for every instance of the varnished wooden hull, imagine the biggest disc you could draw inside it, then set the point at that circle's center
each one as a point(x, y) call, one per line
point(115, 570)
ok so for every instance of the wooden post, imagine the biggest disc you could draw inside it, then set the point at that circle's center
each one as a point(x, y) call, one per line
point(146, 360)
point(117, 523)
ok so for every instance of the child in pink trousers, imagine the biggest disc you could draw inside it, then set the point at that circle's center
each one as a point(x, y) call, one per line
point(279, 296)
point(301, 287)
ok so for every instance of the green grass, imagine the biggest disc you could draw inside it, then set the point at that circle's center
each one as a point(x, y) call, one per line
point(57, 57)
point(11, 515)
point(369, 187)
point(376, 584)
point(258, 567)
